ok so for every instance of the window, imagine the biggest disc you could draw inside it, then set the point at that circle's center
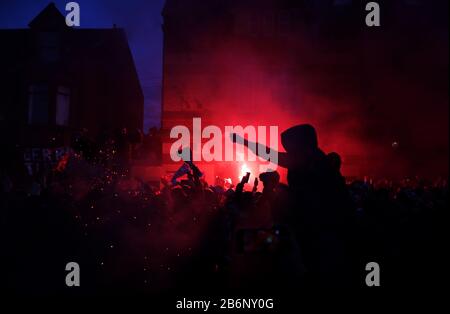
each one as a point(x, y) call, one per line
point(62, 106)
point(48, 45)
point(38, 102)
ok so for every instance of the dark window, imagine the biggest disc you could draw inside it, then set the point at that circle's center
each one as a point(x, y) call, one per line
point(38, 102)
point(48, 46)
point(62, 106)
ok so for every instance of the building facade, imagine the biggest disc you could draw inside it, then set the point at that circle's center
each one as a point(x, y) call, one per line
point(57, 80)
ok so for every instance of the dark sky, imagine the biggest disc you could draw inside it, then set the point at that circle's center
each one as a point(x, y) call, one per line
point(141, 19)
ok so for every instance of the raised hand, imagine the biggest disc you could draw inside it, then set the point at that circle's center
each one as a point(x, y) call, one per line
point(255, 185)
point(245, 178)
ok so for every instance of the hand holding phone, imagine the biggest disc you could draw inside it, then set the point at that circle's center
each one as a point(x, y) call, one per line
point(245, 178)
point(255, 185)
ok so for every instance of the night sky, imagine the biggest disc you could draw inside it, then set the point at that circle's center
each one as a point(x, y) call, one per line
point(141, 20)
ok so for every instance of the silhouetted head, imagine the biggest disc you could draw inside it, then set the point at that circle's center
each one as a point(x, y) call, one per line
point(335, 160)
point(270, 179)
point(299, 138)
point(178, 194)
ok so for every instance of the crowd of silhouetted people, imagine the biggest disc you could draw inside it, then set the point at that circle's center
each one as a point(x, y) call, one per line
point(127, 235)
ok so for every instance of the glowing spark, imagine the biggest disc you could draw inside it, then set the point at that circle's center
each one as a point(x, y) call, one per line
point(244, 170)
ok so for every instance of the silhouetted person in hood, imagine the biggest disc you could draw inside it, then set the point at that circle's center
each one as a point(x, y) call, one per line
point(319, 205)
point(335, 161)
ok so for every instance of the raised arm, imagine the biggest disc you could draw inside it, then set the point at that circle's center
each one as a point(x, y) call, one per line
point(261, 150)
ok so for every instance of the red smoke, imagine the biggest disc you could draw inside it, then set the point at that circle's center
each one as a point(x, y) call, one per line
point(376, 114)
